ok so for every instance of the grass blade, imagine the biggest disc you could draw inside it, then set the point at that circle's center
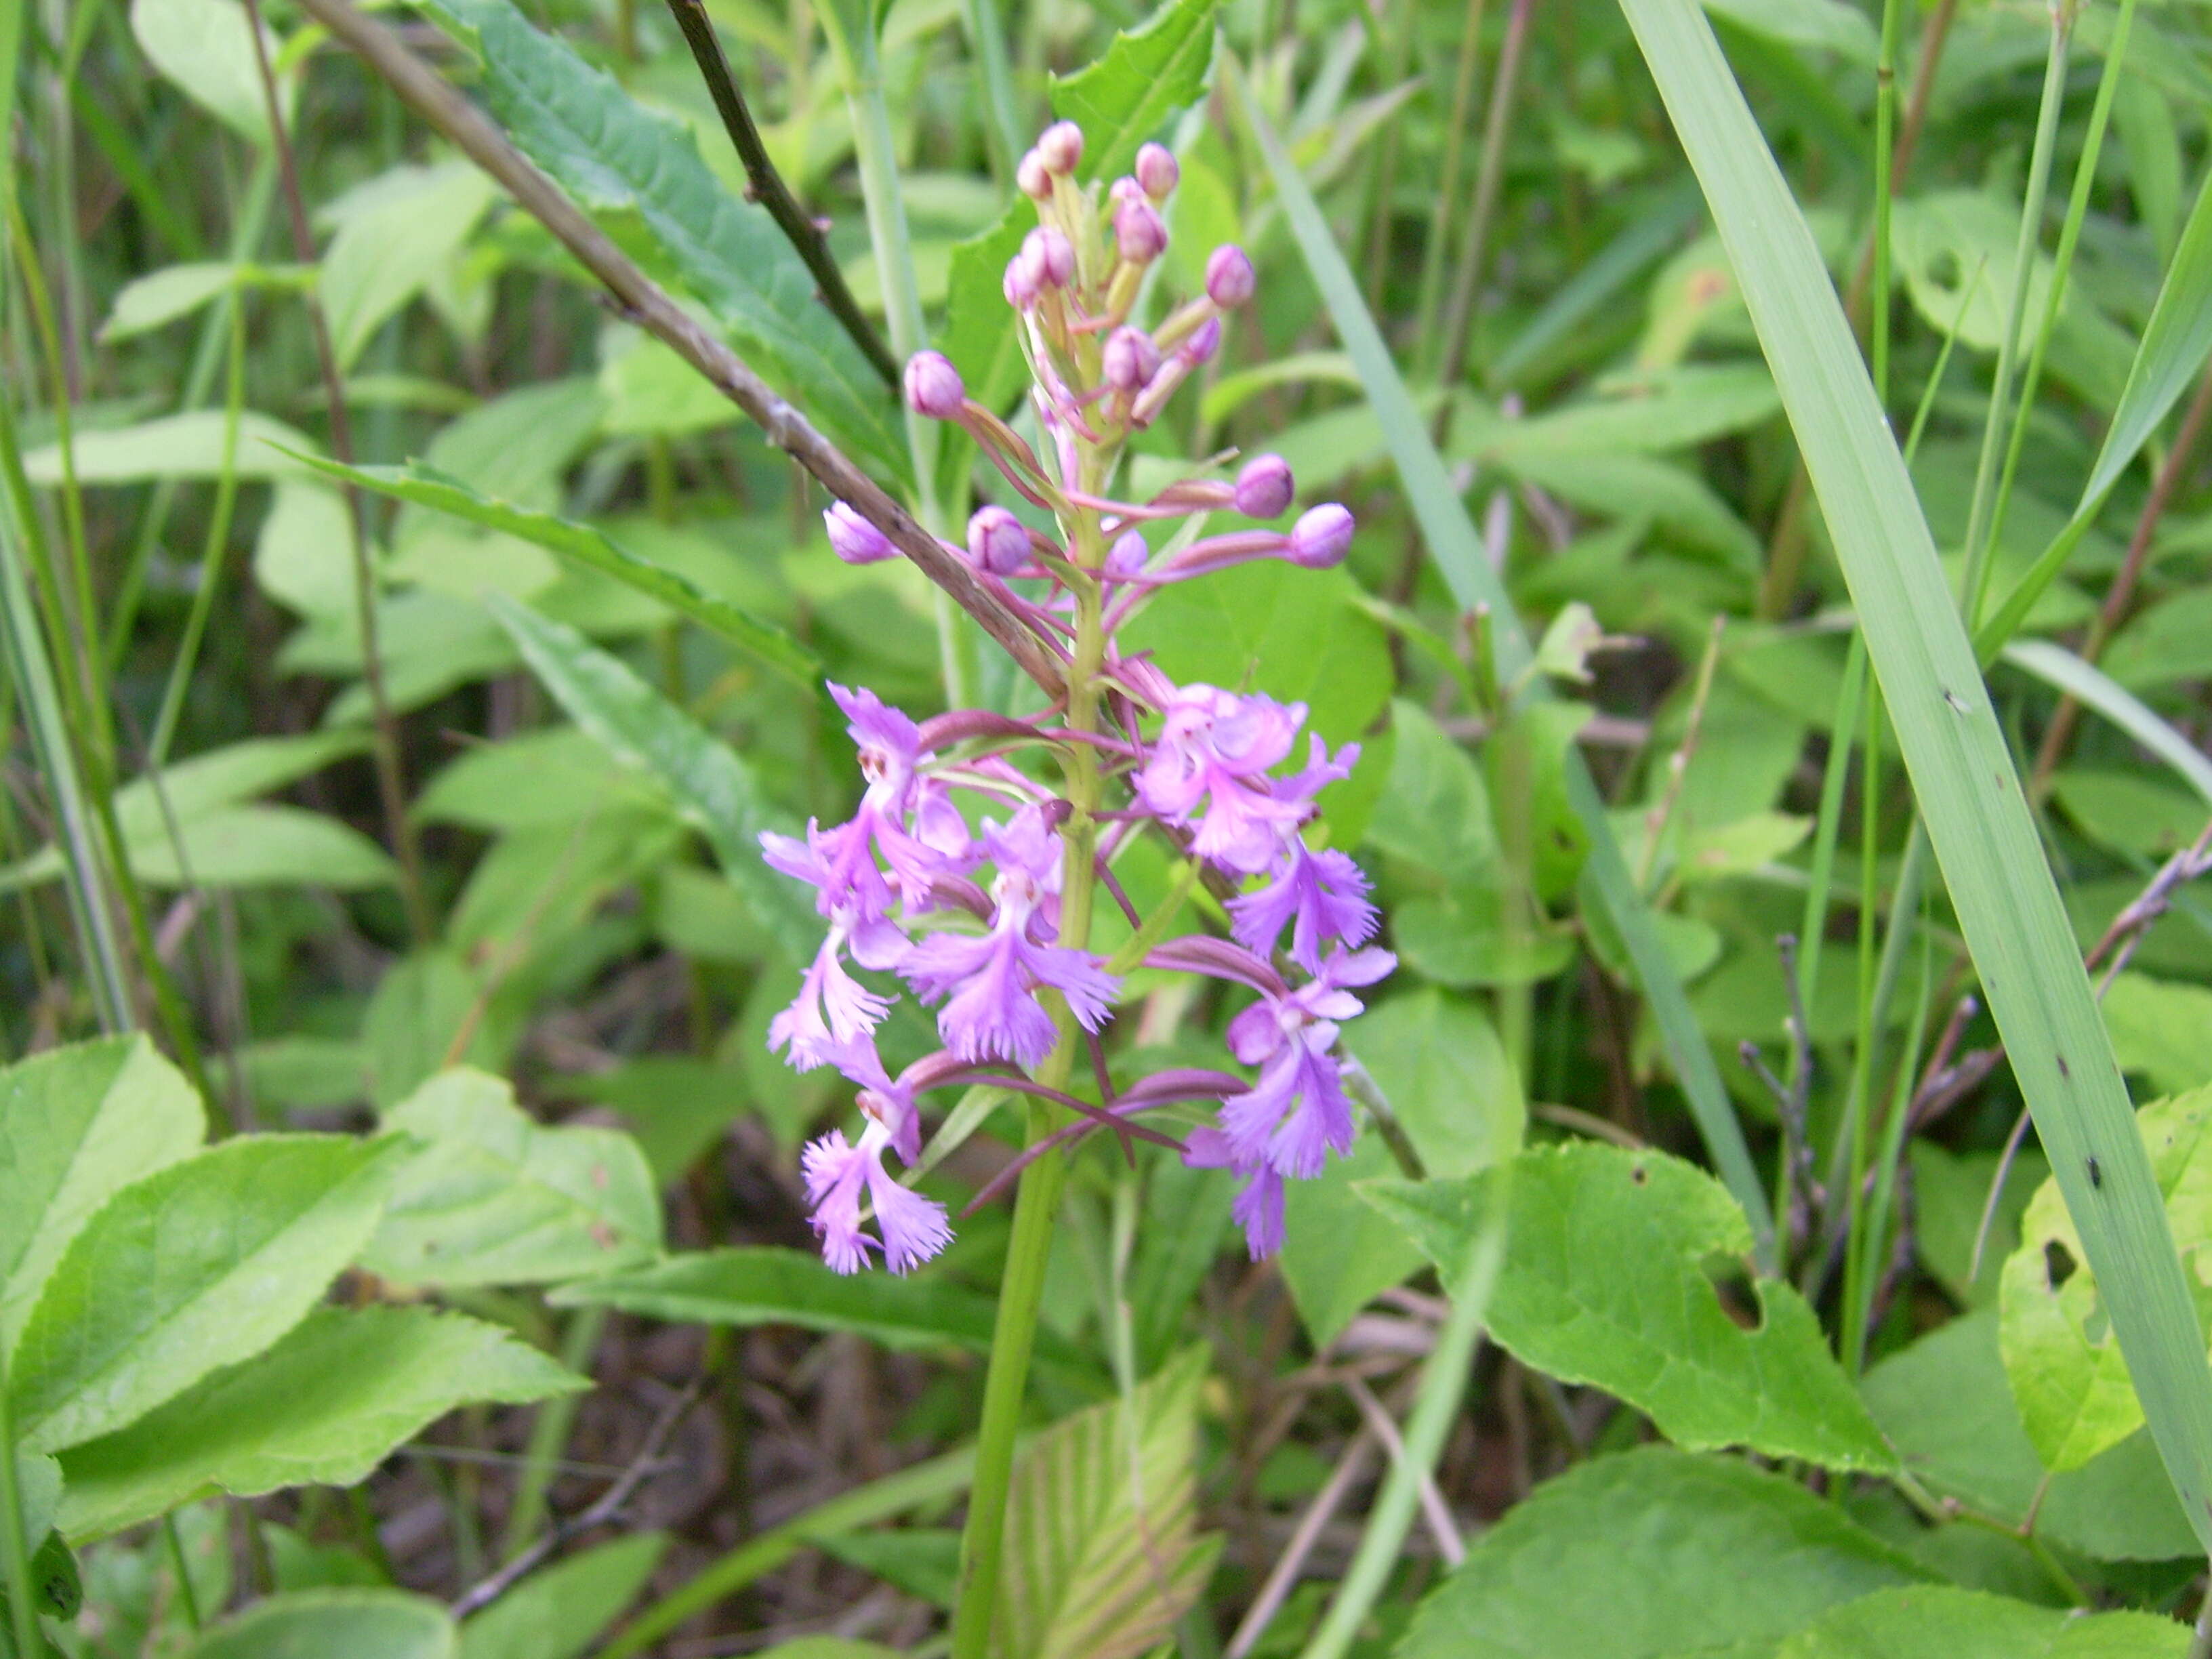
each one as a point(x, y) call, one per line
point(1456, 547)
point(2093, 688)
point(1968, 791)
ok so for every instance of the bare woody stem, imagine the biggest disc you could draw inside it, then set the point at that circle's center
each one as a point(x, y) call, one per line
point(391, 781)
point(644, 302)
point(766, 187)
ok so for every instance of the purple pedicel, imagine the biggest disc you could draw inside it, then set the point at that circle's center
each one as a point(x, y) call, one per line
point(901, 885)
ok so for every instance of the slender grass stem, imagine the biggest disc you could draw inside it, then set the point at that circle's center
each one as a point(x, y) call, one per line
point(1885, 141)
point(1002, 128)
point(1439, 237)
point(1383, 166)
point(1459, 314)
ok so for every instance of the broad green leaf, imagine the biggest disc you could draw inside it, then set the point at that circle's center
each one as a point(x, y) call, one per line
point(195, 1266)
point(1141, 82)
point(536, 887)
point(2161, 1029)
point(615, 155)
point(1338, 1254)
point(923, 1561)
point(1604, 1284)
point(2069, 1375)
point(303, 556)
point(1823, 25)
point(1299, 635)
point(432, 1008)
point(426, 487)
point(1458, 551)
point(1653, 1554)
point(206, 48)
point(1439, 816)
point(1945, 1405)
point(2128, 811)
point(163, 296)
point(713, 789)
point(559, 1611)
point(1439, 1064)
point(38, 1493)
point(1103, 1552)
point(1671, 409)
point(78, 1125)
point(493, 1198)
point(2163, 644)
point(334, 1624)
point(1939, 1622)
point(1983, 835)
point(188, 446)
point(265, 846)
point(323, 1406)
point(553, 776)
point(386, 249)
point(675, 1106)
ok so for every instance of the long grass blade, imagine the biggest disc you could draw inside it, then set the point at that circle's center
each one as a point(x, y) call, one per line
point(2091, 687)
point(1456, 547)
point(1968, 791)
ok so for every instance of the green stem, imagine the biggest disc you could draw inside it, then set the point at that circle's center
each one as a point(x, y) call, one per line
point(1439, 239)
point(15, 1545)
point(1885, 142)
point(548, 1433)
point(1002, 131)
point(188, 1594)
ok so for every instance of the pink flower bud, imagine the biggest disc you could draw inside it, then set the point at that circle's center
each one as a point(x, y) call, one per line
point(1061, 147)
point(1139, 232)
point(1051, 256)
point(1127, 556)
point(1125, 190)
point(1205, 340)
point(997, 541)
point(1264, 487)
point(1130, 359)
point(1020, 286)
point(1229, 278)
point(933, 387)
point(1156, 171)
point(1321, 536)
point(1034, 177)
point(853, 539)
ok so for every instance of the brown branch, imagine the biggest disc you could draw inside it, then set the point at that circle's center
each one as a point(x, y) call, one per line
point(643, 301)
point(766, 186)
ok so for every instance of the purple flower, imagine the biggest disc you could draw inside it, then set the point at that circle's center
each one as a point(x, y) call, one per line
point(1139, 233)
point(1229, 276)
point(832, 1011)
point(1130, 359)
point(1321, 896)
point(1296, 1112)
point(1321, 536)
point(1128, 556)
point(933, 387)
point(997, 541)
point(990, 981)
point(914, 1228)
point(1264, 487)
point(1217, 747)
point(1060, 147)
point(1258, 1206)
point(1034, 177)
point(853, 539)
point(1051, 255)
point(1157, 171)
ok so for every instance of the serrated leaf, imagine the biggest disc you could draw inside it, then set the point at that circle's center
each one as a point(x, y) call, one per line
point(558, 1612)
point(614, 154)
point(1940, 1621)
point(1103, 1554)
point(76, 1125)
point(493, 1198)
point(334, 1624)
point(324, 1407)
point(2068, 1377)
point(714, 790)
point(1603, 1284)
point(187, 1270)
point(1652, 1554)
point(425, 486)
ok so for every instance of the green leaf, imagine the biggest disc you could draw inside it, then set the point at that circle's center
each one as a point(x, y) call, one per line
point(76, 1125)
point(1950, 1193)
point(495, 1199)
point(1338, 1254)
point(1457, 549)
point(425, 486)
point(615, 155)
point(2161, 1029)
point(266, 846)
point(195, 1266)
point(324, 1407)
point(1439, 1064)
point(431, 1009)
point(188, 446)
point(2069, 1375)
point(923, 1561)
point(1945, 1404)
point(412, 222)
point(2094, 688)
point(1103, 1551)
point(206, 48)
point(1822, 25)
point(714, 790)
point(1938, 1621)
point(552, 777)
point(334, 1624)
point(1653, 1554)
point(1603, 1284)
point(1440, 817)
point(1983, 835)
point(163, 296)
point(558, 1612)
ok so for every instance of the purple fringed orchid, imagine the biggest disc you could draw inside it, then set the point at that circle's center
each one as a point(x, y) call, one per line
point(991, 927)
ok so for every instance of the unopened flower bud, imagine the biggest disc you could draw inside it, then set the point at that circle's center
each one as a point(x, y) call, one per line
point(1127, 556)
point(1130, 359)
point(997, 541)
point(1205, 340)
point(1139, 232)
point(1061, 147)
point(1264, 487)
point(1321, 536)
point(933, 387)
point(1125, 189)
point(853, 539)
point(1156, 171)
point(1034, 177)
point(1051, 256)
point(1020, 286)
point(1229, 278)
